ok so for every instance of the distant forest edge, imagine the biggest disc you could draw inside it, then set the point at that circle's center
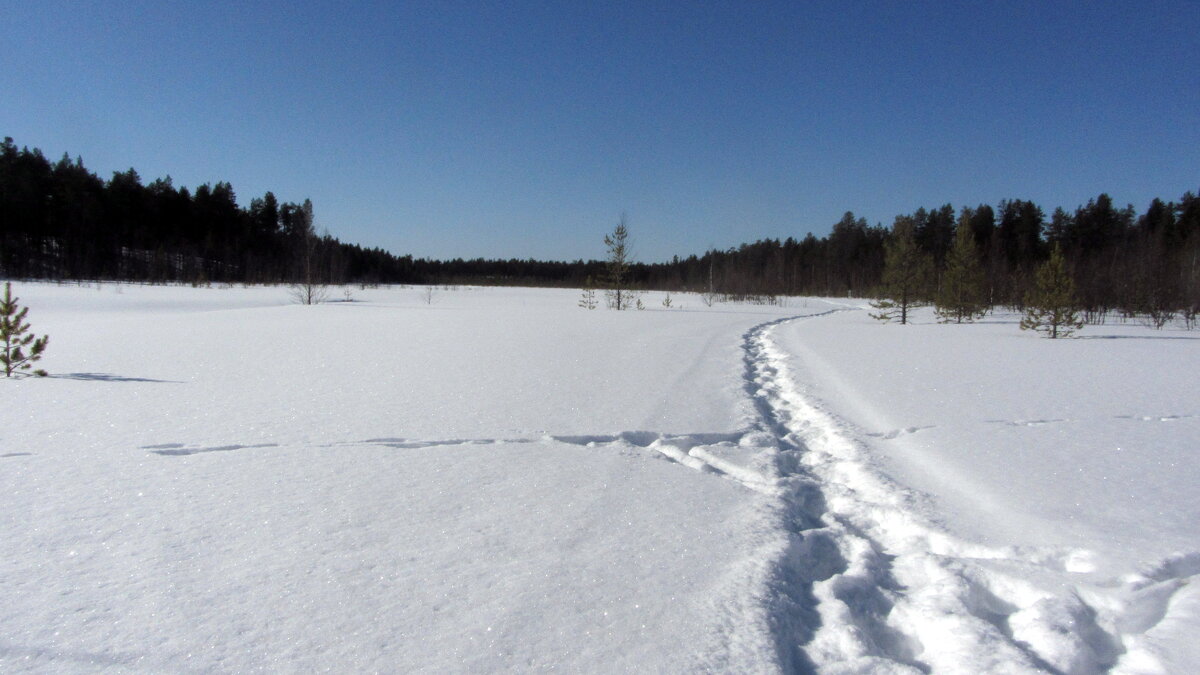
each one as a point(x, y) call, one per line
point(60, 221)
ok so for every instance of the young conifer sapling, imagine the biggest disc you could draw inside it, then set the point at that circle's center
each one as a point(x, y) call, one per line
point(588, 299)
point(19, 349)
point(1052, 309)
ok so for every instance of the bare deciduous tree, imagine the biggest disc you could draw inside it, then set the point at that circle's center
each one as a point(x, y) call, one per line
point(310, 288)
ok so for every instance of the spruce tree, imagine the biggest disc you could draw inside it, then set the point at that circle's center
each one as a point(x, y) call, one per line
point(1051, 304)
point(906, 274)
point(16, 338)
point(961, 297)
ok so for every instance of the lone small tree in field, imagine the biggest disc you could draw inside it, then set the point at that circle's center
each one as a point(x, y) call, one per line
point(1051, 306)
point(310, 288)
point(906, 273)
point(588, 299)
point(20, 348)
point(961, 297)
point(616, 274)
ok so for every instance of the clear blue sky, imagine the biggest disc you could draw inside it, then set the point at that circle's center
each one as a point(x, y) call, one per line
point(525, 129)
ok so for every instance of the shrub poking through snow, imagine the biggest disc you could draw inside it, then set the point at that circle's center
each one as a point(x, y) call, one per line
point(1051, 304)
point(588, 299)
point(20, 348)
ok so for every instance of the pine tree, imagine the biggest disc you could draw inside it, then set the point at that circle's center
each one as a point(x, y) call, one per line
point(616, 274)
point(962, 297)
point(906, 274)
point(1051, 304)
point(15, 335)
point(588, 299)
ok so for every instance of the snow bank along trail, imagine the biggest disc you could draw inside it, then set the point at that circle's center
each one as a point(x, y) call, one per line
point(866, 584)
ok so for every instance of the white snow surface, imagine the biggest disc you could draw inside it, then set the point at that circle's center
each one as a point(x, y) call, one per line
point(216, 479)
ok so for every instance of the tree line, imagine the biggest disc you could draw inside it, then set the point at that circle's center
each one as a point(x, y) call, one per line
point(1119, 259)
point(60, 221)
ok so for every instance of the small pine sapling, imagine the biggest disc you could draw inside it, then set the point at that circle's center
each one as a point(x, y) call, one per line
point(1051, 304)
point(906, 274)
point(616, 273)
point(962, 296)
point(667, 301)
point(20, 348)
point(588, 299)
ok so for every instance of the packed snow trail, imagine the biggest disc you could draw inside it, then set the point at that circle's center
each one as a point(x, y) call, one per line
point(866, 585)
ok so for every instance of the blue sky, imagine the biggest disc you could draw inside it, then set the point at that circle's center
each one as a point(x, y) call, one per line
point(525, 129)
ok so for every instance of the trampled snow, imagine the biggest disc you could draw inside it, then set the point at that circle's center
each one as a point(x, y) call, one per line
point(1056, 482)
point(218, 479)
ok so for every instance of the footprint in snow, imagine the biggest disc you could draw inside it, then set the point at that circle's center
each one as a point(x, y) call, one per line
point(1155, 418)
point(897, 433)
point(1026, 423)
point(180, 450)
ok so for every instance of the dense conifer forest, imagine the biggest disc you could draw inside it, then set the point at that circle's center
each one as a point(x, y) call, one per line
point(60, 221)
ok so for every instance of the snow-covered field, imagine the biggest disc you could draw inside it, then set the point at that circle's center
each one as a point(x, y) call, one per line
point(219, 480)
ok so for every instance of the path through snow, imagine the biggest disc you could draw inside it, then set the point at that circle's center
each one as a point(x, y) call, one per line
point(894, 593)
point(868, 585)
